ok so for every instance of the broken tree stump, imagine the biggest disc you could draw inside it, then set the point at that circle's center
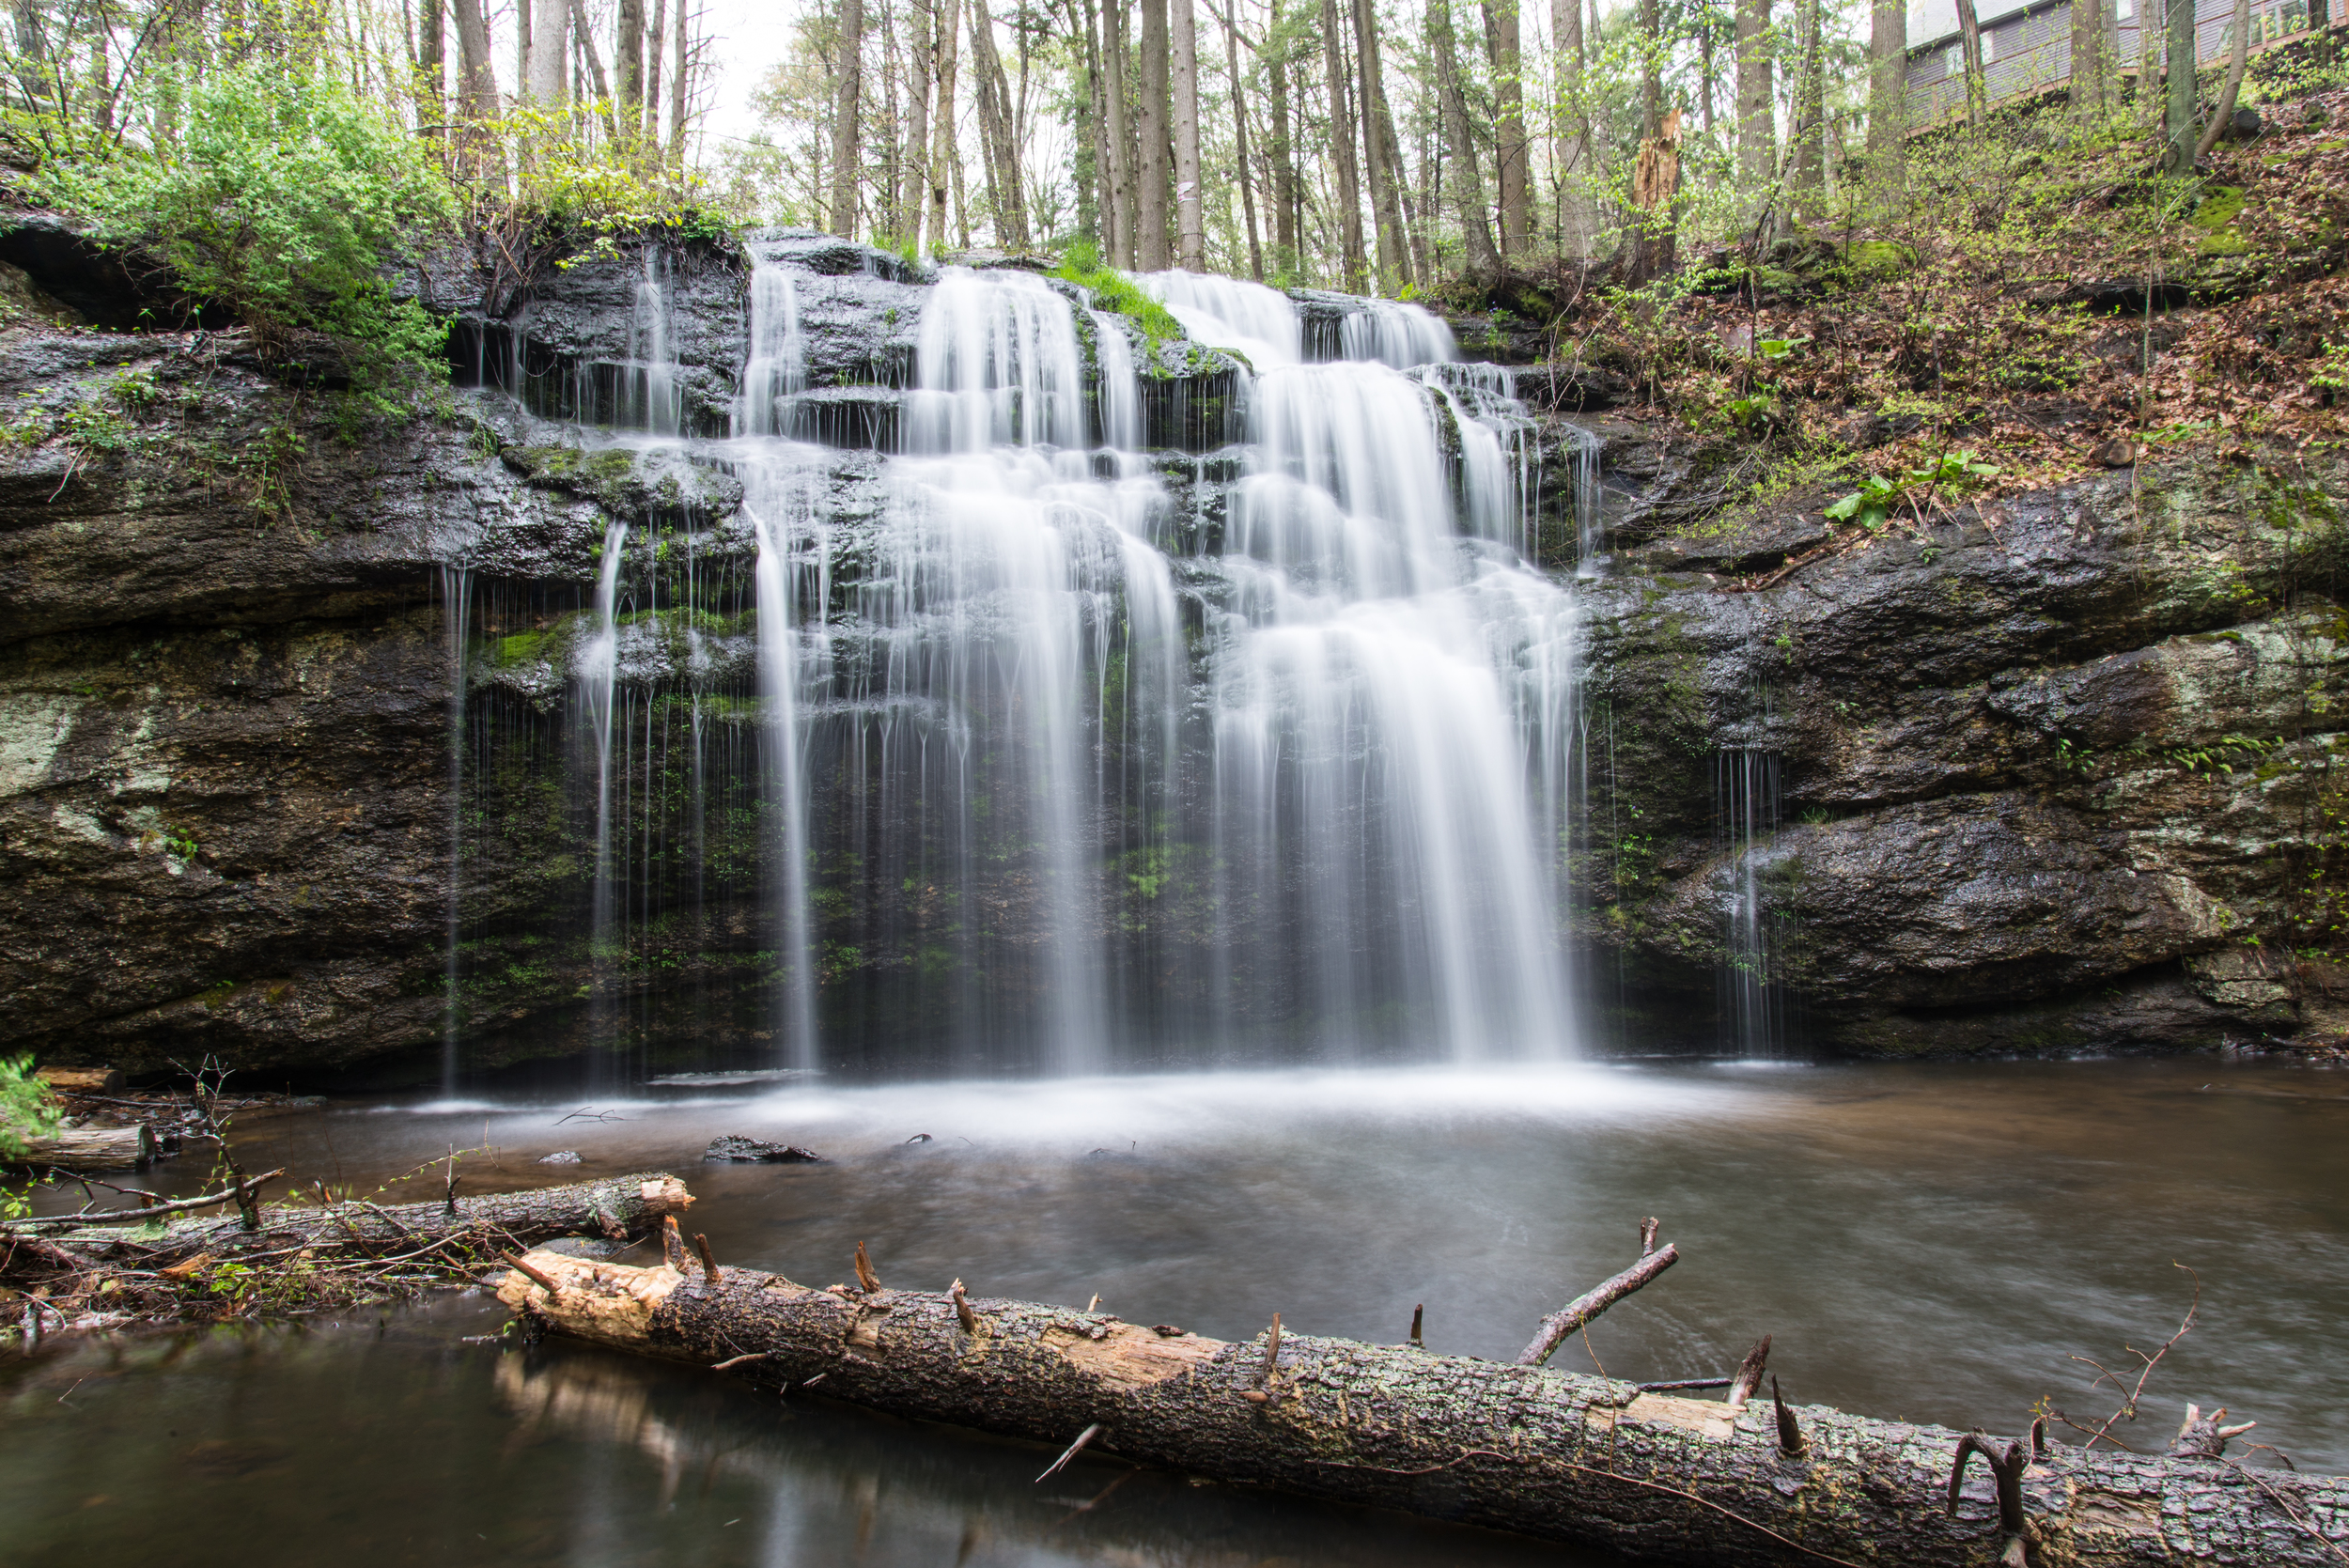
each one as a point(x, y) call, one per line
point(1543, 1453)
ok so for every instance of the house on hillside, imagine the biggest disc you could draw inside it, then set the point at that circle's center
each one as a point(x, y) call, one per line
point(2026, 48)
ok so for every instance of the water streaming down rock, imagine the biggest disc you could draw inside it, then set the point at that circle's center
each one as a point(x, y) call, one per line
point(598, 671)
point(650, 396)
point(456, 583)
point(1750, 1001)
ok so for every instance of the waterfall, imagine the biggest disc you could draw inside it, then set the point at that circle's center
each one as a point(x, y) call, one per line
point(457, 612)
point(1746, 813)
point(1119, 393)
point(777, 368)
point(1257, 323)
point(651, 396)
point(1394, 333)
point(598, 668)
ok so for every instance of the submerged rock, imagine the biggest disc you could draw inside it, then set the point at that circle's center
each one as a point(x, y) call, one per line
point(754, 1151)
point(563, 1157)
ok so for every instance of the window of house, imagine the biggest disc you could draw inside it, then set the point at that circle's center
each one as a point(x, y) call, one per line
point(1954, 60)
point(2128, 10)
point(1989, 47)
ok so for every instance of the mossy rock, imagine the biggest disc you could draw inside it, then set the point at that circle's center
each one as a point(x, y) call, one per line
point(1881, 261)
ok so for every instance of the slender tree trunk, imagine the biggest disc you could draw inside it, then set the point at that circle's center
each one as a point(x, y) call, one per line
point(2090, 62)
point(1239, 131)
point(945, 162)
point(1395, 263)
point(627, 62)
point(2179, 122)
point(680, 80)
point(998, 129)
point(550, 50)
point(431, 67)
point(1757, 141)
point(1468, 181)
point(2228, 94)
point(914, 187)
point(886, 226)
point(848, 151)
point(1155, 250)
point(1705, 74)
point(1125, 251)
point(1577, 221)
point(655, 31)
point(476, 84)
point(1097, 196)
point(1275, 58)
point(1349, 192)
point(1810, 176)
point(1503, 43)
point(1970, 45)
point(1191, 221)
point(1651, 68)
point(1887, 88)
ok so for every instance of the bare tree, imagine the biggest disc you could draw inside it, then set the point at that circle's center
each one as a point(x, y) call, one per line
point(1571, 154)
point(546, 71)
point(1504, 46)
point(1124, 251)
point(628, 61)
point(432, 68)
point(997, 131)
point(1282, 153)
point(914, 179)
point(1230, 20)
point(945, 162)
point(1190, 222)
point(1809, 181)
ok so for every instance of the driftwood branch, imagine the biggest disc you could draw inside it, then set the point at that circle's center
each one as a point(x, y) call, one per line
point(231, 1193)
point(1582, 1309)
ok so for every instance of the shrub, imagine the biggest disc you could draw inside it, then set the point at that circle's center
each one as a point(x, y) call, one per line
point(280, 196)
point(27, 1109)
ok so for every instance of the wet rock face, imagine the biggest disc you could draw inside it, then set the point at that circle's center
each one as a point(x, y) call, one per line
point(2042, 774)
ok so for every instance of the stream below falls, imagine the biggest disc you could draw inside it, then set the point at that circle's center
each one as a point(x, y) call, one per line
point(1925, 1242)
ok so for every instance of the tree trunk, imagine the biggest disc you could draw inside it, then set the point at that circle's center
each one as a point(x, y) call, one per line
point(1887, 86)
point(1810, 176)
point(550, 50)
point(680, 80)
point(1283, 152)
point(1550, 1455)
point(1578, 219)
point(1349, 194)
point(431, 67)
point(1468, 181)
point(1154, 248)
point(1970, 45)
point(2228, 94)
point(1757, 141)
point(1652, 48)
point(1394, 264)
point(655, 31)
point(2091, 60)
point(1124, 250)
point(627, 62)
point(1240, 147)
point(945, 162)
point(1655, 182)
point(998, 129)
point(1190, 222)
point(914, 185)
point(2178, 121)
point(848, 151)
point(90, 1149)
point(1503, 43)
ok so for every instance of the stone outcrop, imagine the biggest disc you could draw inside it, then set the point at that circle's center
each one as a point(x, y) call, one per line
point(2056, 776)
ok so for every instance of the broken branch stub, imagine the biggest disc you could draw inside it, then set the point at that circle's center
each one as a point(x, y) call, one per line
point(1748, 1378)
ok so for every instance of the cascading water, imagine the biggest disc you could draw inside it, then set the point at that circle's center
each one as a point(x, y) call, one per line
point(650, 394)
point(597, 670)
point(457, 612)
point(1746, 806)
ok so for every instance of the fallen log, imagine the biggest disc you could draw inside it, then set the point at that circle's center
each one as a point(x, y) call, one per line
point(128, 1148)
point(617, 1208)
point(302, 1259)
point(1541, 1453)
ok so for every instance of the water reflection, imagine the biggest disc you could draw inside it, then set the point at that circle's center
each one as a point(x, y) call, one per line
point(388, 1443)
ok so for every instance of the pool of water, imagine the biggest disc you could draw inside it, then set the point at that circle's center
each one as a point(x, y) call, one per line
point(1934, 1243)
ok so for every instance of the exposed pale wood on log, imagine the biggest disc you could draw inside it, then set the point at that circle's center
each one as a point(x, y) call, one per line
point(91, 1148)
point(1541, 1453)
point(1748, 1378)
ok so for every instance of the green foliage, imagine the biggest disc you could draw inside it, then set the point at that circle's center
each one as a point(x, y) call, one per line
point(280, 198)
point(2331, 374)
point(27, 1109)
point(1112, 291)
point(1873, 503)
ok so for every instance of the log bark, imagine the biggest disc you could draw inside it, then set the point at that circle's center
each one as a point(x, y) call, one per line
point(1543, 1454)
point(616, 1207)
point(92, 1149)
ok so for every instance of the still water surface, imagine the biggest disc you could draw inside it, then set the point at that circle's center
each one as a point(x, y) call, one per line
point(1933, 1243)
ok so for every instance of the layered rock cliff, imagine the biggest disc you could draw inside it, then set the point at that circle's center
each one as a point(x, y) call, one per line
point(2052, 775)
